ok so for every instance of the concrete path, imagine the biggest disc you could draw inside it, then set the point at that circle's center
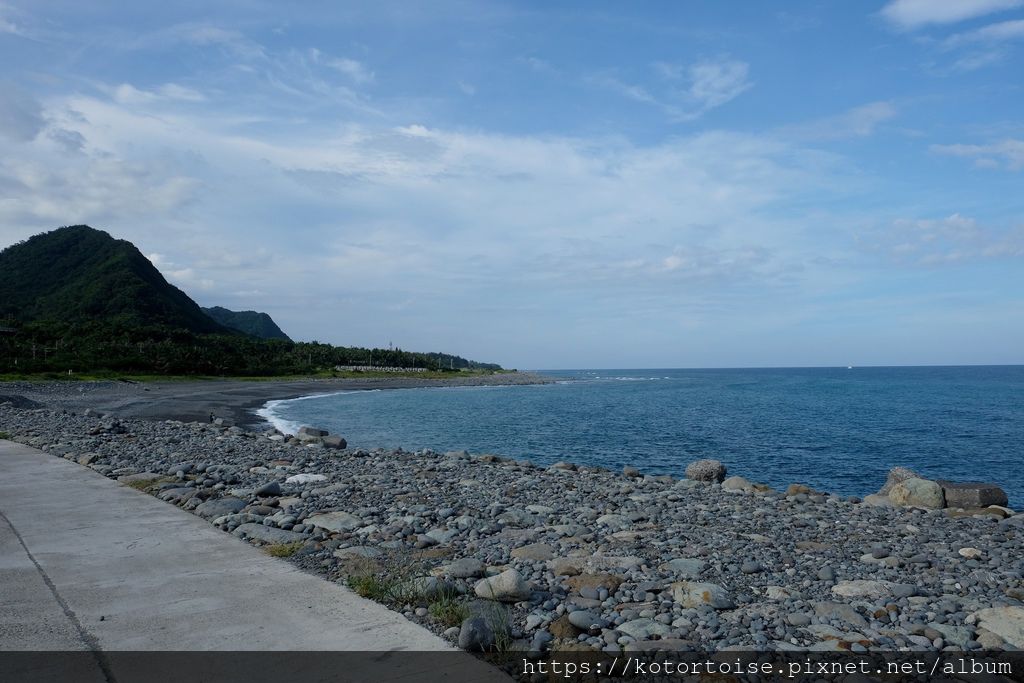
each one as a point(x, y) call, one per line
point(88, 564)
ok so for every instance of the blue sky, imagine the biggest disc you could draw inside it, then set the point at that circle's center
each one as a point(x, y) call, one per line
point(546, 185)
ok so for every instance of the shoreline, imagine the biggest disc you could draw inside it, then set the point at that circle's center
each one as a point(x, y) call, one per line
point(234, 401)
point(576, 556)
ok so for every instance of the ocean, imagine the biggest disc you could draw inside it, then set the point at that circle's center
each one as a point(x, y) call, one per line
point(834, 429)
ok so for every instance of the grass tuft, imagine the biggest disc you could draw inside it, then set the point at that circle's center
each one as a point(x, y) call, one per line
point(142, 484)
point(284, 549)
point(448, 609)
point(393, 585)
point(5, 435)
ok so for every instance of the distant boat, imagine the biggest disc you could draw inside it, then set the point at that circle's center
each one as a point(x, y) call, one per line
point(849, 367)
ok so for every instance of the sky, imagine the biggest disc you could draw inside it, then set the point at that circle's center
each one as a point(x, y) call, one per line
point(546, 185)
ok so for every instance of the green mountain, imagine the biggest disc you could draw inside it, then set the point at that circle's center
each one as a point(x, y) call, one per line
point(253, 323)
point(78, 274)
point(76, 300)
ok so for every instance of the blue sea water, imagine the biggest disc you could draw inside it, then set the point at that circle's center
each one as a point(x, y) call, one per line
point(835, 429)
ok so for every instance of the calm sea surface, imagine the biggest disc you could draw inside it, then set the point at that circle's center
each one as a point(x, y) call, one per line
point(836, 429)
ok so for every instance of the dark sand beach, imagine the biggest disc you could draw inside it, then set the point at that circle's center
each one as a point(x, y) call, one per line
point(231, 399)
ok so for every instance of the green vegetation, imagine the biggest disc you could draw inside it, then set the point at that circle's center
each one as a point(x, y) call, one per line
point(252, 323)
point(142, 484)
point(76, 300)
point(284, 549)
point(386, 587)
point(78, 275)
point(5, 436)
point(448, 609)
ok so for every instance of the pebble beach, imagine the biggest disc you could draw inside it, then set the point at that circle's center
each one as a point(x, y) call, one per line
point(492, 552)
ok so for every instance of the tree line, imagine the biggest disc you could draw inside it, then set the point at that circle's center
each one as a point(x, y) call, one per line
point(91, 347)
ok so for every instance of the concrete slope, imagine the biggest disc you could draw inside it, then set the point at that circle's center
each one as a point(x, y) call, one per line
point(88, 564)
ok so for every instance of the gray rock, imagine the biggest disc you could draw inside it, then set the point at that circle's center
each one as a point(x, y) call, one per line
point(536, 552)
point(643, 628)
point(706, 470)
point(335, 521)
point(271, 488)
point(826, 574)
point(586, 620)
point(335, 442)
point(476, 635)
point(683, 567)
point(312, 431)
point(972, 494)
point(862, 588)
point(630, 472)
point(357, 551)
point(798, 619)
point(268, 534)
point(466, 568)
point(219, 507)
point(839, 612)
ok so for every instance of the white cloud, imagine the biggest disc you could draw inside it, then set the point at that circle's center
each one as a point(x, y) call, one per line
point(984, 46)
point(129, 94)
point(715, 82)
point(352, 68)
point(537, 64)
point(686, 92)
point(1007, 153)
point(860, 121)
point(943, 241)
point(912, 14)
point(993, 33)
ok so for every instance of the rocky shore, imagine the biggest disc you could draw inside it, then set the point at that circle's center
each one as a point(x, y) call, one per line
point(500, 554)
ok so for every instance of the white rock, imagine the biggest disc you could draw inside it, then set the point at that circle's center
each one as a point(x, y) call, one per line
point(698, 594)
point(508, 586)
point(1005, 622)
point(305, 478)
point(861, 588)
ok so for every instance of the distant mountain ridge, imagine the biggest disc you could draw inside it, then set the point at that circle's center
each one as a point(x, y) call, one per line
point(80, 274)
point(252, 323)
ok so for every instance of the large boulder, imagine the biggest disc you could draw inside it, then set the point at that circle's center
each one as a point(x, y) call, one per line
point(739, 484)
point(219, 507)
point(972, 494)
point(311, 432)
point(896, 476)
point(476, 635)
point(706, 470)
point(915, 492)
point(508, 586)
point(335, 442)
point(1005, 622)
